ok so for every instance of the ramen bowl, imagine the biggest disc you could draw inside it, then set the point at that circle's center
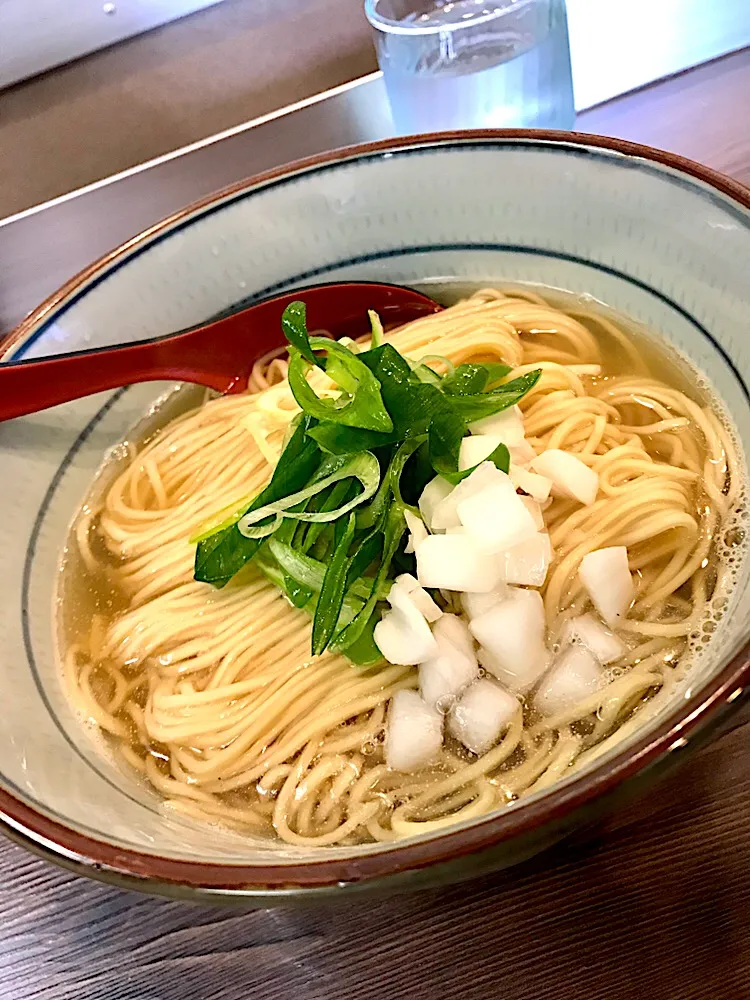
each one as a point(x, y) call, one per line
point(657, 238)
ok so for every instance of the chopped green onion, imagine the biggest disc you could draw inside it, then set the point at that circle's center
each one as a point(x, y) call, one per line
point(251, 530)
point(363, 650)
point(363, 467)
point(224, 553)
point(310, 572)
point(439, 359)
point(294, 328)
point(333, 511)
point(365, 553)
point(270, 569)
point(472, 379)
point(360, 404)
point(376, 325)
point(395, 525)
point(311, 532)
point(370, 514)
point(221, 520)
point(425, 374)
point(495, 372)
point(297, 592)
point(349, 344)
point(328, 608)
point(466, 380)
point(398, 462)
point(485, 404)
point(447, 431)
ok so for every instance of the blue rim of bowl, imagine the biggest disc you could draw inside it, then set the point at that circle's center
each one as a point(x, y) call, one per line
point(134, 869)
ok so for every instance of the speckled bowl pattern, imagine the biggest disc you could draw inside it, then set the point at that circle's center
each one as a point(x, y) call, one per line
point(660, 239)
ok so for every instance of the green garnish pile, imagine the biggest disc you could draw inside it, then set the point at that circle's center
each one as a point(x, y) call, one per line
point(329, 528)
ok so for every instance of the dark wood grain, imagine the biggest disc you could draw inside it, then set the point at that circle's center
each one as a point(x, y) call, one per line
point(655, 903)
point(701, 114)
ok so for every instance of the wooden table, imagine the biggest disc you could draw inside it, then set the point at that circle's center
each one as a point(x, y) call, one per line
point(654, 904)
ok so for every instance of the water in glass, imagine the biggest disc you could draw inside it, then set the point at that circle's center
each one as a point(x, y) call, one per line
point(475, 63)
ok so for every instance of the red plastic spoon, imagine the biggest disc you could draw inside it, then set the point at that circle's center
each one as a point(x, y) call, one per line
point(219, 355)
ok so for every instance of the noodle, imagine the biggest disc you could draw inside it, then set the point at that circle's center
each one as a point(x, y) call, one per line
point(212, 695)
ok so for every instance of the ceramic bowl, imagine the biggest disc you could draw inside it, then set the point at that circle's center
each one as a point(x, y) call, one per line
point(656, 237)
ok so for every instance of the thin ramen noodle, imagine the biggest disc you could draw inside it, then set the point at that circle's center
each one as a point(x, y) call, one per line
point(213, 697)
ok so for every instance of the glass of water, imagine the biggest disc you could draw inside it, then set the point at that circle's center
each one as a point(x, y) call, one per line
point(474, 63)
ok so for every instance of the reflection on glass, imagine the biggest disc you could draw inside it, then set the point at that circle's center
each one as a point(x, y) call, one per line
point(474, 63)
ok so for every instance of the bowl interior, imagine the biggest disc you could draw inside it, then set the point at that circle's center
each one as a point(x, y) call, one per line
point(666, 249)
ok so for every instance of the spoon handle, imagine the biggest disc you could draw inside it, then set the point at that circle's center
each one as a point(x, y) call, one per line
point(28, 386)
point(218, 355)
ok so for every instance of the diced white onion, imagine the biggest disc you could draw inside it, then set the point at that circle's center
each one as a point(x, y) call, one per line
point(507, 425)
point(513, 680)
point(595, 637)
point(476, 604)
point(456, 562)
point(444, 676)
point(527, 564)
point(452, 629)
point(398, 643)
point(418, 595)
point(393, 640)
point(576, 675)
point(403, 635)
point(474, 450)
point(535, 510)
point(445, 514)
point(606, 576)
point(417, 530)
point(434, 493)
point(496, 515)
point(538, 487)
point(521, 454)
point(513, 633)
point(570, 476)
point(414, 732)
point(493, 666)
point(483, 711)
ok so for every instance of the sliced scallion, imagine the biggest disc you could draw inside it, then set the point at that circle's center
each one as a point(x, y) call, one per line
point(363, 467)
